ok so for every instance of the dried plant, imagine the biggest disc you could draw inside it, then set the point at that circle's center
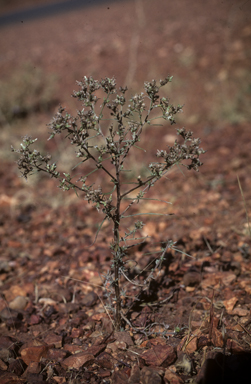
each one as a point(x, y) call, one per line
point(106, 143)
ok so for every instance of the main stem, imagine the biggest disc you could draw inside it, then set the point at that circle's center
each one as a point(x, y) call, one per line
point(117, 256)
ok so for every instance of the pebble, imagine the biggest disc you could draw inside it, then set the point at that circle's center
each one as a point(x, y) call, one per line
point(192, 277)
point(19, 303)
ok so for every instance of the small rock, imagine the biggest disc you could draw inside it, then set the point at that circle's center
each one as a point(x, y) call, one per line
point(5, 354)
point(226, 257)
point(16, 366)
point(52, 338)
point(8, 342)
point(33, 354)
point(59, 379)
point(202, 341)
point(104, 361)
point(119, 377)
point(77, 332)
point(96, 349)
point(228, 279)
point(233, 266)
point(192, 277)
point(159, 355)
point(73, 348)
point(171, 378)
point(217, 338)
point(8, 314)
point(34, 319)
point(78, 360)
point(19, 303)
point(240, 312)
point(17, 290)
point(35, 378)
point(192, 345)
point(3, 366)
point(135, 375)
point(150, 376)
point(68, 307)
point(34, 367)
point(230, 303)
point(121, 345)
point(61, 295)
point(56, 354)
point(103, 374)
point(9, 377)
point(124, 336)
point(113, 347)
point(90, 299)
point(4, 266)
point(236, 268)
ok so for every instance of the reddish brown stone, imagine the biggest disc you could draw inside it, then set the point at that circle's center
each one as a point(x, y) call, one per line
point(121, 345)
point(73, 348)
point(34, 367)
point(9, 377)
point(217, 338)
point(17, 366)
point(59, 379)
point(202, 341)
point(119, 377)
point(34, 319)
point(159, 355)
point(172, 378)
point(52, 338)
point(77, 332)
point(56, 354)
point(123, 336)
point(78, 360)
point(34, 354)
point(96, 349)
point(102, 373)
point(192, 345)
point(135, 375)
point(7, 342)
point(105, 361)
point(150, 375)
point(90, 299)
point(3, 366)
point(234, 347)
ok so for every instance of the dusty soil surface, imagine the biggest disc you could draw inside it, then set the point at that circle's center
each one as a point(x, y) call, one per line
point(192, 324)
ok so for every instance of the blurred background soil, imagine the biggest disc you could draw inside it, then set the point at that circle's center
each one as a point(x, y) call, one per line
point(204, 45)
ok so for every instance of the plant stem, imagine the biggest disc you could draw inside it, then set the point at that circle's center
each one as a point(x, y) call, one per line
point(117, 255)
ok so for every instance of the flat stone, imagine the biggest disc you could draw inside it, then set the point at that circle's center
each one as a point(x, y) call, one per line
point(52, 338)
point(33, 354)
point(19, 303)
point(78, 360)
point(160, 355)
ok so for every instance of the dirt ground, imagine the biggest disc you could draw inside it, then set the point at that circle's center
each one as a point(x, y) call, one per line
point(193, 324)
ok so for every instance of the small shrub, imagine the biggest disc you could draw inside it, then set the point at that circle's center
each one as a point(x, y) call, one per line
point(106, 144)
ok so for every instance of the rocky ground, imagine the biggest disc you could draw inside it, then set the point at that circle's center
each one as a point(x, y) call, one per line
point(193, 324)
